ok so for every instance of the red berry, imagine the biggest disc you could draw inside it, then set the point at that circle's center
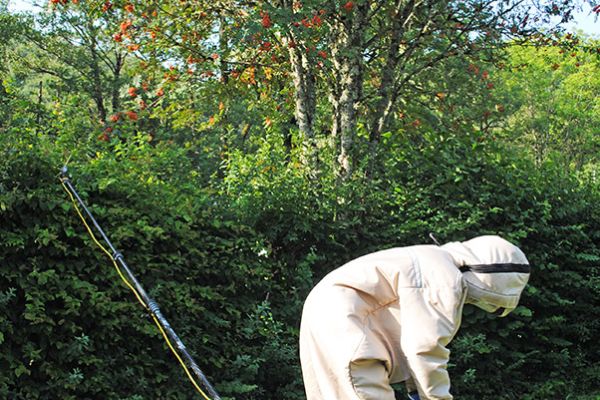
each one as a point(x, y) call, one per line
point(125, 25)
point(266, 20)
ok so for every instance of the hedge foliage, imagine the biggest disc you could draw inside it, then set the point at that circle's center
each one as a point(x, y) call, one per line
point(230, 261)
point(71, 330)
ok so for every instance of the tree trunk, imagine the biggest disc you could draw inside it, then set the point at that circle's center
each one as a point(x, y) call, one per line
point(38, 119)
point(304, 81)
point(347, 103)
point(386, 92)
point(96, 77)
point(347, 55)
point(304, 85)
point(116, 84)
point(223, 50)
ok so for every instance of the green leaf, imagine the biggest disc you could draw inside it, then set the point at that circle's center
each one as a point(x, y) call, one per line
point(20, 370)
point(523, 311)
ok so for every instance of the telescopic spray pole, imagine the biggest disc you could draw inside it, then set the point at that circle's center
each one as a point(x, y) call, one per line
point(148, 302)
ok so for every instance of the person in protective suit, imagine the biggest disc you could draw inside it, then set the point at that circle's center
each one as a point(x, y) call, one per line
point(387, 317)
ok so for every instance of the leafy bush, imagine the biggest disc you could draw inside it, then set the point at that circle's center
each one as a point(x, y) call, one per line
point(458, 187)
point(70, 329)
point(231, 261)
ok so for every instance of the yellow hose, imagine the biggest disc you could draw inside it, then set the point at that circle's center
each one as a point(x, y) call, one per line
point(135, 292)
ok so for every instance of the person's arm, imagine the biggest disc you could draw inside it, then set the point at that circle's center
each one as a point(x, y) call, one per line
point(428, 322)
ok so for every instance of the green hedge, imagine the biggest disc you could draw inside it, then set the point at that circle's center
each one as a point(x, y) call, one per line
point(458, 188)
point(230, 261)
point(70, 329)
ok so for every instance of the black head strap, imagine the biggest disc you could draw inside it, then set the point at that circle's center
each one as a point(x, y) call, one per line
point(496, 268)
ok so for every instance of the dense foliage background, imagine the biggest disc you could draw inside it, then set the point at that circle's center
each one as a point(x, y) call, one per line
point(234, 171)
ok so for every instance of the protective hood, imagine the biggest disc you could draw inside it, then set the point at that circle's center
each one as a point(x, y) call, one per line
point(494, 270)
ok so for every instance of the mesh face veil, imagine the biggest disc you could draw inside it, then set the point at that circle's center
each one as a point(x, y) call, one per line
point(494, 270)
point(488, 307)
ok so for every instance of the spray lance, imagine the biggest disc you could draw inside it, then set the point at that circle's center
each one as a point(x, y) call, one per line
point(179, 350)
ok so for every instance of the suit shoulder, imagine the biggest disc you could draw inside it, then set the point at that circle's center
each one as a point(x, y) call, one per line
point(437, 266)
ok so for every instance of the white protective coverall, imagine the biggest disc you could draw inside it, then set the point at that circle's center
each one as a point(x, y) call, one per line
point(387, 317)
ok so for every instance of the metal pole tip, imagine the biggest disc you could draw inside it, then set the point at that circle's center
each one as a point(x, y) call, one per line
point(64, 174)
point(433, 238)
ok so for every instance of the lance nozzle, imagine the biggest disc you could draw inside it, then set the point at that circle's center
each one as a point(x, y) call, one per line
point(64, 173)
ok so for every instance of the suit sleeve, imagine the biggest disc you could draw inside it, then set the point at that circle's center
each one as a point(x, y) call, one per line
point(429, 320)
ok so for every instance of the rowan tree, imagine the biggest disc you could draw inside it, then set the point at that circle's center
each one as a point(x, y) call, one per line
point(351, 66)
point(71, 43)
